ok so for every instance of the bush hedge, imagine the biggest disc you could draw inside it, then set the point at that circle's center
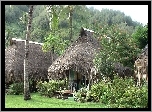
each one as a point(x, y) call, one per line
point(121, 92)
point(48, 88)
point(16, 89)
point(116, 93)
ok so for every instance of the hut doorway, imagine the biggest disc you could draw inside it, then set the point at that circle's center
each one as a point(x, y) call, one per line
point(76, 80)
point(84, 81)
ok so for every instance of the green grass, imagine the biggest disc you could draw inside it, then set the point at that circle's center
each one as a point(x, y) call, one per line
point(37, 101)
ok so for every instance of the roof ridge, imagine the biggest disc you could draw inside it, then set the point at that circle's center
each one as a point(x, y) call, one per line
point(25, 40)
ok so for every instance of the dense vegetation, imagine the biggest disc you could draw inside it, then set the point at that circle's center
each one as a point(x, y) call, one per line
point(16, 19)
point(111, 93)
point(117, 93)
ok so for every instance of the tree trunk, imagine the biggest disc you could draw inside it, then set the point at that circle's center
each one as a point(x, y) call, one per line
point(26, 74)
point(52, 54)
point(70, 26)
point(71, 10)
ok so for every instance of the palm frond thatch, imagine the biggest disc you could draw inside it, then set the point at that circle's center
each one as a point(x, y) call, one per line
point(14, 61)
point(143, 58)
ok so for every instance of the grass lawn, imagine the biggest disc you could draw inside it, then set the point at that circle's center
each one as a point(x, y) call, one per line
point(37, 101)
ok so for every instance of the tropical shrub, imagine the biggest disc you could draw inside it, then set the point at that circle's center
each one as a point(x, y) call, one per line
point(117, 93)
point(16, 89)
point(120, 93)
point(80, 96)
point(48, 88)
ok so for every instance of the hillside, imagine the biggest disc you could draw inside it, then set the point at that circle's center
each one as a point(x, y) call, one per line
point(15, 17)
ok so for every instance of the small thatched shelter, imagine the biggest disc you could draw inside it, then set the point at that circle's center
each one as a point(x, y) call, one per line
point(141, 65)
point(144, 52)
point(14, 61)
point(143, 58)
point(77, 61)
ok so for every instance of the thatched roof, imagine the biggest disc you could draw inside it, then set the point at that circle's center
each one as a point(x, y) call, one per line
point(141, 65)
point(78, 56)
point(14, 60)
point(143, 57)
point(144, 52)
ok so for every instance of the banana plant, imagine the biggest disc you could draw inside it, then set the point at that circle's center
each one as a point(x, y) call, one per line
point(55, 42)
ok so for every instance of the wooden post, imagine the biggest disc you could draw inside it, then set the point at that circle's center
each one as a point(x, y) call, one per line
point(85, 80)
point(70, 81)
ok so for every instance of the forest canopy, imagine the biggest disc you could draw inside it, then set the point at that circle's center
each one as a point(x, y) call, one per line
point(16, 17)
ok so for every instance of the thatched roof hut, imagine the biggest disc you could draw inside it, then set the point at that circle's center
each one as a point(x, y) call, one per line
point(144, 52)
point(14, 61)
point(141, 65)
point(143, 58)
point(78, 56)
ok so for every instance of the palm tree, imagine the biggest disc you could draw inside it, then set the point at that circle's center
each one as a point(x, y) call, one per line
point(26, 75)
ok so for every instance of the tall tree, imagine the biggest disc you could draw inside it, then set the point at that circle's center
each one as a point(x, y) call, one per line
point(117, 46)
point(26, 74)
point(140, 36)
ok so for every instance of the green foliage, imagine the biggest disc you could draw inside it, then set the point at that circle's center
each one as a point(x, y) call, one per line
point(85, 95)
point(12, 13)
point(140, 96)
point(55, 42)
point(41, 22)
point(63, 24)
point(38, 35)
point(98, 90)
point(80, 96)
point(55, 19)
point(15, 16)
point(23, 8)
point(16, 89)
point(121, 93)
point(119, 48)
point(116, 93)
point(141, 36)
point(48, 88)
